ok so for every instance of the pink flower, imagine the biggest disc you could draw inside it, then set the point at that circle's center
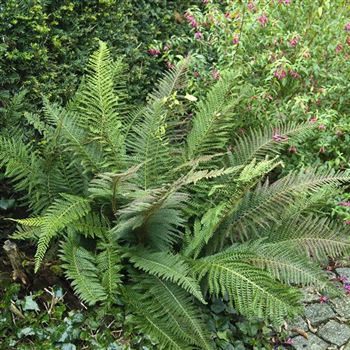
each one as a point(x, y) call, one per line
point(347, 27)
point(235, 40)
point(278, 138)
point(323, 299)
point(191, 20)
point(294, 74)
point(263, 20)
point(294, 41)
point(344, 204)
point(322, 127)
point(196, 74)
point(348, 40)
point(292, 149)
point(228, 15)
point(280, 74)
point(198, 35)
point(169, 65)
point(339, 48)
point(251, 6)
point(313, 119)
point(347, 288)
point(154, 52)
point(287, 2)
point(342, 279)
point(215, 74)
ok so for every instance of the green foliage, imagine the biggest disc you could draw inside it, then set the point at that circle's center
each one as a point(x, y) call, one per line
point(162, 215)
point(46, 42)
point(291, 63)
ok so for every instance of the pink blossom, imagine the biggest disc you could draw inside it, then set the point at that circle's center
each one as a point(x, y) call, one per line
point(154, 52)
point(251, 6)
point(347, 27)
point(347, 222)
point(294, 74)
point(339, 48)
point(280, 74)
point(278, 138)
point(344, 204)
point(347, 288)
point(292, 149)
point(198, 35)
point(235, 40)
point(313, 119)
point(228, 15)
point(323, 299)
point(215, 74)
point(263, 20)
point(287, 2)
point(196, 74)
point(322, 127)
point(342, 279)
point(191, 20)
point(294, 41)
point(169, 65)
point(348, 40)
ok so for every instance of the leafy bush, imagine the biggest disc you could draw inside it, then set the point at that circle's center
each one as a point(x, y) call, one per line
point(45, 43)
point(292, 63)
point(153, 208)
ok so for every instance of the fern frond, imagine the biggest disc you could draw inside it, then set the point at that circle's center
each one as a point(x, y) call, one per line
point(98, 105)
point(154, 217)
point(214, 120)
point(267, 203)
point(62, 212)
point(159, 326)
point(173, 306)
point(80, 268)
point(315, 236)
point(168, 267)
point(287, 265)
point(74, 137)
point(259, 143)
point(252, 290)
point(149, 143)
point(109, 266)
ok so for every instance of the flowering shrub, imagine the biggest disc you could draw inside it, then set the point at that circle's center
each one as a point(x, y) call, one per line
point(292, 62)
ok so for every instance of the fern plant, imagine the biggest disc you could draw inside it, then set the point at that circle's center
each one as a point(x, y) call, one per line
point(165, 212)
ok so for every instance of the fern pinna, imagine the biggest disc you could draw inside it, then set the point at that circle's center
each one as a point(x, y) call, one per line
point(180, 209)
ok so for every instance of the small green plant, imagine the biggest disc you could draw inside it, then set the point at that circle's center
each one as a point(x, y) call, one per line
point(163, 210)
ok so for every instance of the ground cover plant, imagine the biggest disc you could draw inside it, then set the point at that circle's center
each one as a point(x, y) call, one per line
point(164, 208)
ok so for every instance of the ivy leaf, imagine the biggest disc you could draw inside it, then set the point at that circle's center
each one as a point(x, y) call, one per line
point(30, 304)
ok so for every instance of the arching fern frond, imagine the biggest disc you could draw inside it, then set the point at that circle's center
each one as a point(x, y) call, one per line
point(315, 236)
point(259, 143)
point(98, 104)
point(80, 267)
point(168, 267)
point(214, 119)
point(62, 212)
point(252, 290)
